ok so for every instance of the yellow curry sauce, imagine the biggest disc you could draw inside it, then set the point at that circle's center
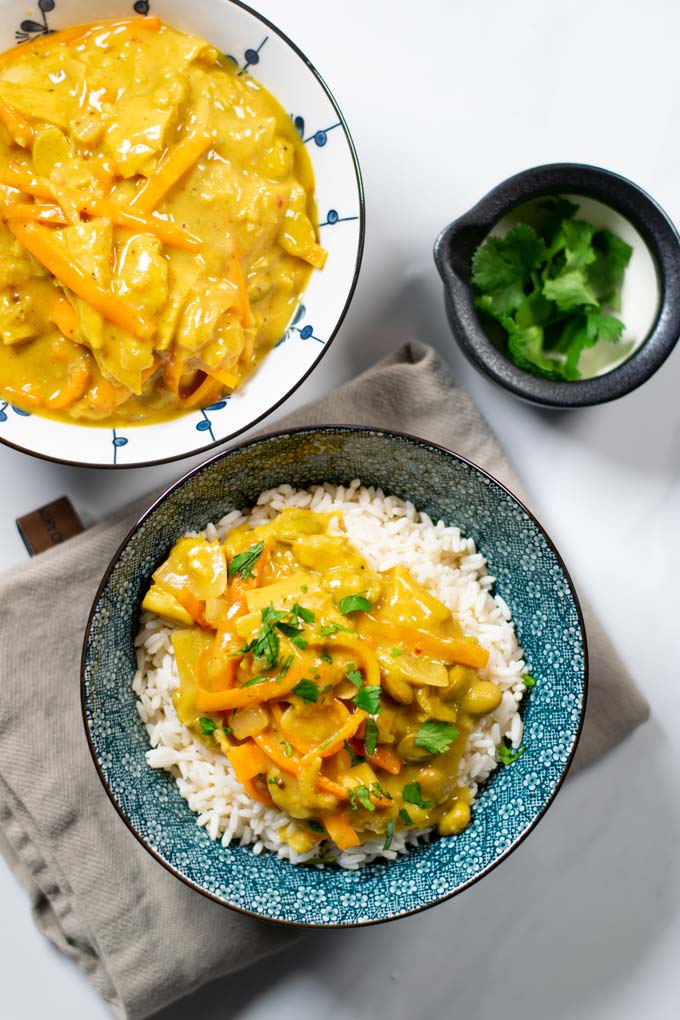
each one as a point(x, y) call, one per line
point(156, 223)
point(343, 696)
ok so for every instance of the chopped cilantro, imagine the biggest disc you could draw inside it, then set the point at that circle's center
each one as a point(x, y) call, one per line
point(528, 680)
point(368, 698)
point(354, 675)
point(243, 563)
point(271, 615)
point(208, 726)
point(307, 690)
point(288, 629)
point(327, 688)
point(508, 756)
point(411, 794)
point(305, 614)
point(378, 791)
point(405, 816)
point(361, 796)
point(300, 642)
point(227, 730)
point(284, 669)
point(435, 736)
point(333, 628)
point(354, 604)
point(273, 781)
point(257, 680)
point(315, 826)
point(287, 748)
point(356, 759)
point(394, 652)
point(389, 833)
point(326, 859)
point(326, 657)
point(371, 738)
point(550, 288)
point(266, 645)
point(304, 589)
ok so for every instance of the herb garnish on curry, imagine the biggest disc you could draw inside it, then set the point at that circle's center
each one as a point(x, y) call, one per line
point(341, 695)
point(156, 223)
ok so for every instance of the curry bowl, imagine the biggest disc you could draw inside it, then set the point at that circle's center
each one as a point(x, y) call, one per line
point(310, 317)
point(529, 576)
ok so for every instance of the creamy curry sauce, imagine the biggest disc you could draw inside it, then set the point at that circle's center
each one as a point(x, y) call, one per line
point(341, 695)
point(156, 223)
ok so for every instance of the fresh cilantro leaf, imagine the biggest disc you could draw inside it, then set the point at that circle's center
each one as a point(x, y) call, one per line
point(578, 236)
point(300, 642)
point(389, 833)
point(368, 698)
point(327, 688)
point(271, 615)
point(553, 210)
point(371, 738)
point(243, 563)
point(360, 796)
point(356, 759)
point(501, 266)
point(304, 589)
point(305, 614)
point(315, 826)
point(411, 794)
point(266, 645)
point(354, 604)
point(287, 748)
point(208, 726)
point(307, 690)
point(435, 736)
point(378, 791)
point(333, 628)
point(227, 730)
point(354, 675)
point(326, 656)
point(508, 756)
point(528, 680)
point(394, 652)
point(607, 271)
point(405, 817)
point(569, 290)
point(604, 327)
point(273, 781)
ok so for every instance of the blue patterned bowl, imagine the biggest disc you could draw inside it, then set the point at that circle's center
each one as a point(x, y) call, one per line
point(531, 578)
point(261, 49)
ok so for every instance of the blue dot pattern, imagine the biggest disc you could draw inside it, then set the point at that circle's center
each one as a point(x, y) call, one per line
point(531, 580)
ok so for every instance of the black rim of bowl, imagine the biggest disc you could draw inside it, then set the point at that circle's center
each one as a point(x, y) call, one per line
point(408, 440)
point(456, 244)
point(350, 294)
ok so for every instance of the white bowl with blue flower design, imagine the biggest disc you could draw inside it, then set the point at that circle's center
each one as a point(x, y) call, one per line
point(262, 49)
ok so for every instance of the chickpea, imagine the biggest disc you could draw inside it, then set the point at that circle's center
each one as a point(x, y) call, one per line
point(408, 750)
point(455, 819)
point(460, 678)
point(398, 689)
point(432, 783)
point(483, 697)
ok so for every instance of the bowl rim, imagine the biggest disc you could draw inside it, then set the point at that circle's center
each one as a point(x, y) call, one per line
point(155, 462)
point(455, 244)
point(408, 439)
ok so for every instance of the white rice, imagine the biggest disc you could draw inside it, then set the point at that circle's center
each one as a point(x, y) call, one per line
point(388, 531)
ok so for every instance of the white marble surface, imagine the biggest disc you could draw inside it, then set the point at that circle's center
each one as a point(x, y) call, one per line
point(445, 98)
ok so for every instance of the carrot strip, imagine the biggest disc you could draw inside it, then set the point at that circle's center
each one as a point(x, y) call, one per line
point(464, 651)
point(333, 744)
point(38, 213)
point(194, 607)
point(384, 758)
point(236, 276)
point(17, 125)
point(315, 255)
point(40, 244)
point(361, 651)
point(224, 377)
point(74, 390)
point(207, 390)
point(253, 792)
point(22, 394)
point(172, 166)
point(64, 316)
point(16, 176)
point(340, 831)
point(238, 697)
point(247, 760)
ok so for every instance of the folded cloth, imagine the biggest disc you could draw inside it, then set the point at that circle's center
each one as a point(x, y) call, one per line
point(142, 937)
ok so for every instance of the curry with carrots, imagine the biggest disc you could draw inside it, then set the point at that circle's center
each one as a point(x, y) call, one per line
point(156, 223)
point(342, 695)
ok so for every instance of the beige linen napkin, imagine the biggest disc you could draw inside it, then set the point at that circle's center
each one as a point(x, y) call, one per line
point(141, 936)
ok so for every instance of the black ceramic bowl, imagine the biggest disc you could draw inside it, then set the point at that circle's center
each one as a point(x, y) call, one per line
point(456, 244)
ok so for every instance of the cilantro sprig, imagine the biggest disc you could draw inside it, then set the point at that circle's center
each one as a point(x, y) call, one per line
point(435, 736)
point(551, 288)
point(243, 563)
point(507, 756)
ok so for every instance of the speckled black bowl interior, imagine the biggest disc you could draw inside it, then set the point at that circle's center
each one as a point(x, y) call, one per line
point(453, 255)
